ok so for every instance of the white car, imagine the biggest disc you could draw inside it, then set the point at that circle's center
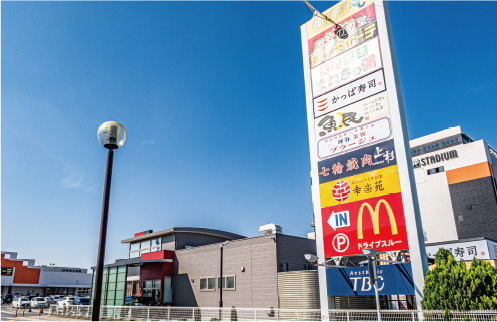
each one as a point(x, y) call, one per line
point(39, 302)
point(57, 298)
point(81, 301)
point(21, 302)
point(68, 300)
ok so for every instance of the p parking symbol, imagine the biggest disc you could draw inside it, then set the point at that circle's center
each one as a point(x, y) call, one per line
point(340, 242)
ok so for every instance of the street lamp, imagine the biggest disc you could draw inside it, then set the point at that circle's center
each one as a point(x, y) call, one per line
point(220, 284)
point(314, 260)
point(112, 136)
point(373, 276)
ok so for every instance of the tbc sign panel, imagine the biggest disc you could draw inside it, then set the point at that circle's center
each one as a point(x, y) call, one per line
point(392, 280)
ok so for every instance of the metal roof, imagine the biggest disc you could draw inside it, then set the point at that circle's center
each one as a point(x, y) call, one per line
point(192, 230)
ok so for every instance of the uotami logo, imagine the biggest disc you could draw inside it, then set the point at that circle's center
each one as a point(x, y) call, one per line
point(341, 191)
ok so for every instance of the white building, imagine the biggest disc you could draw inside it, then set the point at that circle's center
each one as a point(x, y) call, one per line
point(22, 277)
point(456, 185)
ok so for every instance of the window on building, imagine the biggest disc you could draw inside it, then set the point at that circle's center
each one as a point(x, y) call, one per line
point(228, 282)
point(134, 255)
point(211, 283)
point(156, 242)
point(145, 244)
point(135, 246)
point(203, 284)
point(208, 284)
point(436, 170)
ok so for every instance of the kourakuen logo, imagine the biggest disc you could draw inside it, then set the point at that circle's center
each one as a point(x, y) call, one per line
point(375, 218)
point(341, 191)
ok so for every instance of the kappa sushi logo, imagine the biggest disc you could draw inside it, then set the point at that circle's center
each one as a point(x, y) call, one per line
point(341, 191)
point(322, 105)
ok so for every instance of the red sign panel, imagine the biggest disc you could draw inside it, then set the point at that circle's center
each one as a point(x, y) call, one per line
point(376, 223)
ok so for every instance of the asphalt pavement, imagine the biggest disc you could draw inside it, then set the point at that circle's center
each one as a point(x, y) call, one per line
point(9, 314)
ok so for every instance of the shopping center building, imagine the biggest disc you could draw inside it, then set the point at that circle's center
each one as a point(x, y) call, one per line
point(457, 193)
point(22, 277)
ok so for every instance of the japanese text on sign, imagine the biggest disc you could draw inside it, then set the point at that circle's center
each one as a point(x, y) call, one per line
point(339, 46)
point(347, 67)
point(358, 137)
point(353, 115)
point(361, 186)
point(367, 159)
point(374, 223)
point(369, 85)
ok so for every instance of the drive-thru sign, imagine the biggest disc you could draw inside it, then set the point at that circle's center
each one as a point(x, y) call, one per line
point(363, 186)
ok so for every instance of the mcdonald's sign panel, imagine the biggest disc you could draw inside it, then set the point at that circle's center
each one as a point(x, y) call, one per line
point(372, 223)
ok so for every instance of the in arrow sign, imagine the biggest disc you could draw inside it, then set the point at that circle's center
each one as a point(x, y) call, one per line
point(339, 219)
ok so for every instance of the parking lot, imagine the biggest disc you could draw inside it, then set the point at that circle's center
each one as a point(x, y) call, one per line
point(9, 314)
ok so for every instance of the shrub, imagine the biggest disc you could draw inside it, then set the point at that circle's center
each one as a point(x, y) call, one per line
point(451, 286)
point(197, 316)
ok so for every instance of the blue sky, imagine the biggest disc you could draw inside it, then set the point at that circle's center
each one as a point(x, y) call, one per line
point(212, 98)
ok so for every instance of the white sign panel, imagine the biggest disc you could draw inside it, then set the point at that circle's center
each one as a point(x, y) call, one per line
point(481, 249)
point(362, 88)
point(355, 138)
point(347, 67)
point(353, 115)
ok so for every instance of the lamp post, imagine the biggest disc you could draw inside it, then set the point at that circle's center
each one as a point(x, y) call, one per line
point(220, 284)
point(373, 277)
point(112, 136)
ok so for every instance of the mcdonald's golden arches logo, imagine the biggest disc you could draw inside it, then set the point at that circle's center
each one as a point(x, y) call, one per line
point(375, 218)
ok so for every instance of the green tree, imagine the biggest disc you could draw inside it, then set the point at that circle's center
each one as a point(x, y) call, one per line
point(197, 315)
point(234, 316)
point(451, 286)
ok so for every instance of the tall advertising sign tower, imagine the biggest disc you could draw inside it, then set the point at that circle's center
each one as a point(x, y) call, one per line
point(363, 186)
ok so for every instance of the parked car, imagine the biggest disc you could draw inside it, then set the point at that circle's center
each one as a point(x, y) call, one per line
point(21, 302)
point(81, 301)
point(132, 300)
point(68, 300)
point(38, 302)
point(51, 300)
point(8, 298)
point(57, 298)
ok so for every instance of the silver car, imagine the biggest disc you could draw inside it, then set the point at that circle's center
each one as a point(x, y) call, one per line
point(37, 302)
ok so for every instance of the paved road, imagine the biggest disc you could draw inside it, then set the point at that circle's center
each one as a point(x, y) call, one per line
point(9, 314)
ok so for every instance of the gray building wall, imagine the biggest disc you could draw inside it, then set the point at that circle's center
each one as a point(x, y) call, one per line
point(298, 290)
point(256, 286)
point(195, 239)
point(475, 208)
point(291, 250)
